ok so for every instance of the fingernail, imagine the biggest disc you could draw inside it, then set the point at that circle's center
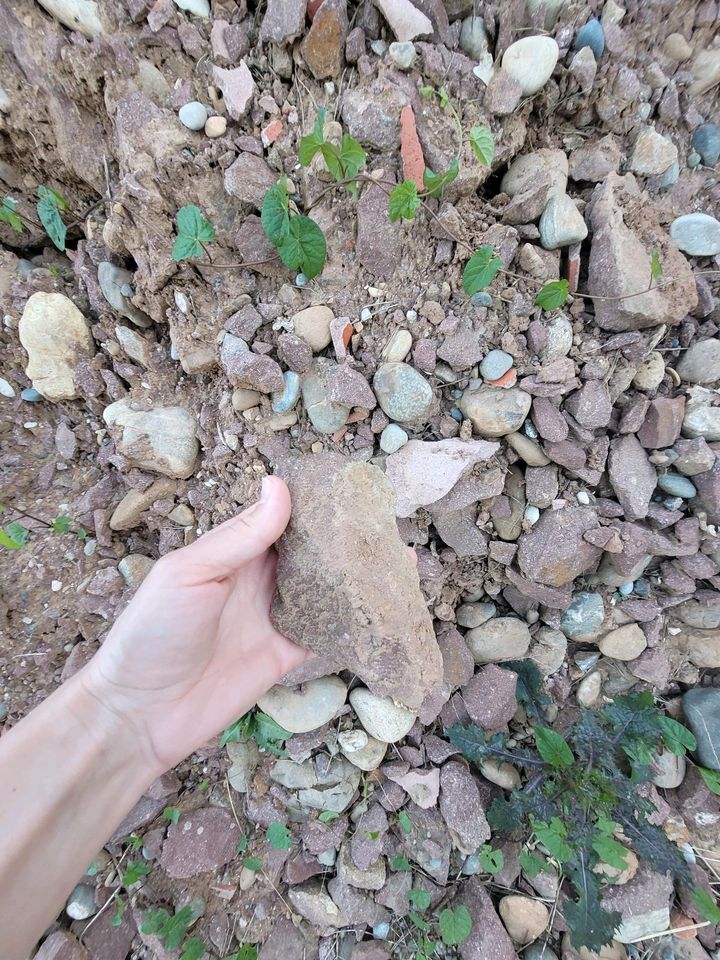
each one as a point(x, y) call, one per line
point(265, 490)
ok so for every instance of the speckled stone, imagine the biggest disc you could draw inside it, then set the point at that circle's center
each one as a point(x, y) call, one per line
point(403, 394)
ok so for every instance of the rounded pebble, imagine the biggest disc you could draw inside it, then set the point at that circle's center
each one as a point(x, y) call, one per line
point(314, 704)
point(81, 902)
point(697, 234)
point(584, 616)
point(677, 485)
point(471, 615)
point(402, 54)
point(392, 438)
point(532, 514)
point(626, 589)
point(531, 61)
point(215, 127)
point(625, 643)
point(403, 394)
point(6, 389)
point(301, 280)
point(706, 140)
point(591, 35)
point(589, 689)
point(495, 365)
point(481, 299)
point(694, 160)
point(473, 37)
point(524, 918)
point(380, 716)
point(30, 395)
point(193, 115)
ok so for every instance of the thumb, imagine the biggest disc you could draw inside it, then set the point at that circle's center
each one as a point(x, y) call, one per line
point(222, 550)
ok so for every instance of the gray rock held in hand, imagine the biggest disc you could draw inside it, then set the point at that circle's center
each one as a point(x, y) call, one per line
point(333, 592)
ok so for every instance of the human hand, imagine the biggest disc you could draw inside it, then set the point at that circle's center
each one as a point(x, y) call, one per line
point(195, 648)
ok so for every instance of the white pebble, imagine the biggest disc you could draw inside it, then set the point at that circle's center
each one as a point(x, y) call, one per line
point(193, 115)
point(6, 390)
point(56, 586)
point(532, 514)
point(583, 497)
point(411, 315)
point(366, 314)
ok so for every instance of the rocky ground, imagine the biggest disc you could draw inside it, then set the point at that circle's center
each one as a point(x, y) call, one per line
point(556, 473)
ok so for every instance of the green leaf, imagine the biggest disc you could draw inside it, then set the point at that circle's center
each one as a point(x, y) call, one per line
point(134, 871)
point(553, 748)
point(444, 97)
point(352, 156)
point(529, 688)
point(711, 778)
point(656, 269)
point(707, 906)
point(404, 821)
point(184, 248)
point(327, 815)
point(480, 269)
point(435, 183)
point(172, 814)
point(248, 951)
point(404, 201)
point(531, 863)
point(419, 921)
point(48, 210)
point(18, 532)
point(279, 837)
point(120, 907)
point(62, 524)
point(427, 91)
point(135, 842)
point(204, 785)
point(311, 144)
point(8, 215)
point(491, 860)
point(253, 863)
point(590, 924)
point(331, 155)
point(267, 732)
point(274, 215)
point(7, 541)
point(420, 899)
point(304, 247)
point(400, 863)
point(483, 143)
point(553, 836)
point(610, 852)
point(677, 737)
point(242, 844)
point(238, 730)
point(373, 834)
point(455, 925)
point(553, 295)
point(193, 949)
point(193, 230)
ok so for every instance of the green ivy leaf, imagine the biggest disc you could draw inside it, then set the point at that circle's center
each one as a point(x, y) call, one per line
point(248, 951)
point(405, 822)
point(480, 270)
point(419, 921)
point(420, 899)
point(552, 295)
point(352, 155)
point(62, 524)
point(656, 269)
point(192, 231)
point(312, 143)
point(491, 860)
point(455, 925)
point(532, 863)
point(553, 748)
point(253, 863)
point(135, 870)
point(8, 542)
point(435, 183)
point(184, 248)
point(553, 836)
point(193, 949)
point(279, 837)
point(483, 143)
point(400, 863)
point(404, 201)
point(677, 737)
point(327, 815)
point(274, 215)
point(18, 532)
point(48, 210)
point(172, 814)
point(707, 906)
point(8, 215)
point(711, 778)
point(304, 247)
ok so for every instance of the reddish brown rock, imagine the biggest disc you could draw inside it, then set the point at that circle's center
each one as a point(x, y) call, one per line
point(333, 594)
point(324, 45)
point(490, 698)
point(550, 423)
point(61, 945)
point(590, 405)
point(632, 476)
point(199, 842)
point(462, 808)
point(488, 938)
point(554, 551)
point(410, 149)
point(662, 423)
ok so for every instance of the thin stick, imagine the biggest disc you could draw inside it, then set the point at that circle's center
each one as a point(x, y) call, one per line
point(665, 933)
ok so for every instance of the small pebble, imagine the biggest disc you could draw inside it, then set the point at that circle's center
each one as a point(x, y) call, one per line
point(30, 395)
point(6, 389)
point(300, 280)
point(215, 127)
point(495, 365)
point(284, 400)
point(697, 234)
point(642, 588)
point(532, 514)
point(392, 438)
point(529, 430)
point(379, 47)
point(673, 503)
point(456, 414)
point(481, 299)
point(677, 485)
point(706, 140)
point(403, 55)
point(626, 589)
point(381, 931)
point(411, 315)
point(591, 35)
point(193, 115)
point(583, 497)
point(694, 160)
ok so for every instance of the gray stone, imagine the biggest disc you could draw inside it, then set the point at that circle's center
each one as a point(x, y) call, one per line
point(113, 282)
point(584, 617)
point(644, 904)
point(473, 37)
point(652, 153)
point(677, 485)
point(702, 420)
point(249, 178)
point(502, 638)
point(472, 615)
point(284, 21)
point(531, 62)
point(495, 364)
point(81, 902)
point(702, 712)
point(561, 223)
point(693, 456)
point(285, 400)
point(314, 704)
point(392, 438)
point(325, 416)
point(706, 140)
point(162, 440)
point(193, 115)
point(700, 363)
point(382, 717)
point(402, 392)
point(697, 234)
point(403, 55)
point(591, 35)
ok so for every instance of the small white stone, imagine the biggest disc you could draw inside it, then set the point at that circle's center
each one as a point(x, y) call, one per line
point(198, 8)
point(215, 127)
point(531, 62)
point(193, 115)
point(6, 389)
point(397, 347)
point(56, 586)
point(532, 514)
point(583, 497)
point(382, 717)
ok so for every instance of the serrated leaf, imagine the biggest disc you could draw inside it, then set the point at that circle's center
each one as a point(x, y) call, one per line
point(18, 532)
point(529, 687)
point(404, 201)
point(253, 863)
point(455, 925)
point(656, 269)
point(707, 906)
point(590, 924)
point(135, 870)
point(553, 295)
point(405, 822)
point(327, 815)
point(279, 837)
point(48, 210)
point(553, 748)
point(62, 524)
point(193, 949)
point(435, 183)
point(304, 247)
point(400, 863)
point(651, 844)
point(491, 860)
point(711, 779)
point(532, 863)
point(553, 836)
point(480, 270)
point(274, 214)
point(184, 248)
point(420, 899)
point(611, 852)
point(676, 736)
point(311, 144)
point(483, 143)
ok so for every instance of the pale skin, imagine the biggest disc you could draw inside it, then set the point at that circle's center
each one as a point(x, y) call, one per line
point(192, 652)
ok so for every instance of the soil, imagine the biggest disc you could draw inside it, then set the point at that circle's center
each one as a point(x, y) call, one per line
point(96, 120)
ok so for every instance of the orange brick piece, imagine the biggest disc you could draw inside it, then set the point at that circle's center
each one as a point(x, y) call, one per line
point(410, 149)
